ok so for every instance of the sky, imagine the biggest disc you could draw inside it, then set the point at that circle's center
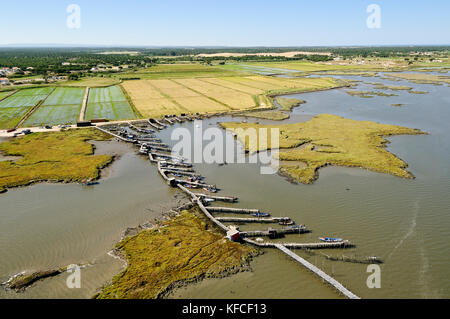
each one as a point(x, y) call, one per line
point(224, 23)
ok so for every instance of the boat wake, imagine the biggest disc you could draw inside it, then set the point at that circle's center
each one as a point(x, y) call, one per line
point(410, 231)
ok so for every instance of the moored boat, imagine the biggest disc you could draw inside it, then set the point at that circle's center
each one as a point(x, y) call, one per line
point(330, 240)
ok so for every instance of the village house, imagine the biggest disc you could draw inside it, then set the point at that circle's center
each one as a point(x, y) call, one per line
point(4, 81)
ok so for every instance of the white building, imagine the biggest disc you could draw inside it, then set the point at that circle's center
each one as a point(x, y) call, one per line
point(4, 81)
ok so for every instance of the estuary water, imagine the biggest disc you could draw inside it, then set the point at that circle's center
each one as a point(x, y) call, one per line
point(403, 222)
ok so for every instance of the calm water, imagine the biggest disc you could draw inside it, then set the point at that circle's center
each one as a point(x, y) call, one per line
point(47, 226)
point(404, 222)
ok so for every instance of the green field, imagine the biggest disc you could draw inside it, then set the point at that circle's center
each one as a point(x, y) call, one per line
point(11, 116)
point(54, 115)
point(4, 94)
point(14, 107)
point(61, 107)
point(109, 103)
point(35, 91)
point(65, 95)
point(21, 101)
point(181, 70)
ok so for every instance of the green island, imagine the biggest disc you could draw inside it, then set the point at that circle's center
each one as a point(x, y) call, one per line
point(421, 78)
point(329, 140)
point(63, 156)
point(268, 115)
point(287, 104)
point(181, 250)
point(368, 94)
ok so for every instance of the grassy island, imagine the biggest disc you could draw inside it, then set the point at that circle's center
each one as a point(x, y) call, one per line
point(184, 249)
point(331, 140)
point(63, 156)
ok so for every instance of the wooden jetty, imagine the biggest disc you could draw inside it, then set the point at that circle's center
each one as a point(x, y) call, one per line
point(197, 201)
point(197, 184)
point(333, 282)
point(271, 231)
point(230, 199)
point(175, 171)
point(155, 125)
point(115, 135)
point(233, 210)
point(253, 220)
point(302, 245)
point(160, 124)
point(168, 120)
point(170, 156)
point(159, 148)
point(139, 129)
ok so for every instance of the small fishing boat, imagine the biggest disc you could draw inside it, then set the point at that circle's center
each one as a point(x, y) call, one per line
point(209, 189)
point(209, 200)
point(89, 182)
point(261, 215)
point(330, 240)
point(286, 223)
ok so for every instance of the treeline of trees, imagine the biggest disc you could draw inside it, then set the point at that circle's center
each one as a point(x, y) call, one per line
point(50, 59)
point(395, 51)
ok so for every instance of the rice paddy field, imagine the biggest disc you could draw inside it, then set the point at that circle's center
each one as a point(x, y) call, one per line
point(108, 103)
point(62, 106)
point(14, 107)
point(181, 70)
point(5, 94)
point(155, 98)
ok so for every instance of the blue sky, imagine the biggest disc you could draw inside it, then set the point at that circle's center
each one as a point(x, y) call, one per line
point(225, 23)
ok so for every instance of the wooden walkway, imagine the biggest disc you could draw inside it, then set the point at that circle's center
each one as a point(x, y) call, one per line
point(253, 220)
point(318, 272)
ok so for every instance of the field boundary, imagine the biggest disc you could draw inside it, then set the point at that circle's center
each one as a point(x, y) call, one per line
point(7, 96)
point(32, 110)
point(84, 105)
point(136, 112)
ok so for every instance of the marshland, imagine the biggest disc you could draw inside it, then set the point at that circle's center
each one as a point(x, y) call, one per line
point(48, 225)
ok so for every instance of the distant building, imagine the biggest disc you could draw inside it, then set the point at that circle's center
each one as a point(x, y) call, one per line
point(65, 63)
point(4, 81)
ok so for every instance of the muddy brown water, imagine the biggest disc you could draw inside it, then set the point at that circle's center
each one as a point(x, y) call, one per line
point(403, 222)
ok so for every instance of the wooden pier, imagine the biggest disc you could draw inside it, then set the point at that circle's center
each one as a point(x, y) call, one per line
point(155, 125)
point(170, 156)
point(233, 210)
point(230, 199)
point(196, 184)
point(115, 135)
point(253, 220)
point(270, 232)
point(139, 129)
point(333, 282)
